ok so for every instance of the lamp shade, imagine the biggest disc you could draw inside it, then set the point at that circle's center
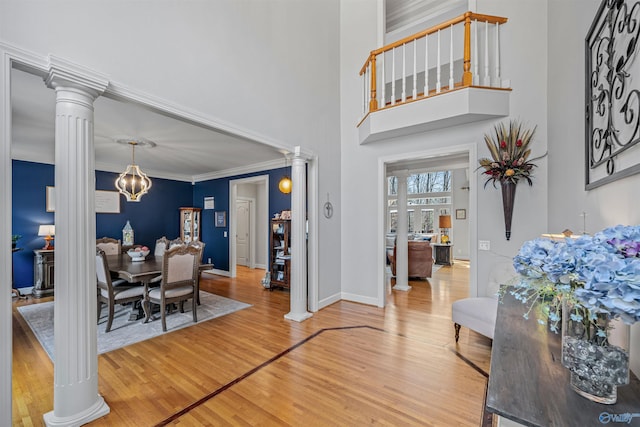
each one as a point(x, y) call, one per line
point(444, 221)
point(47, 230)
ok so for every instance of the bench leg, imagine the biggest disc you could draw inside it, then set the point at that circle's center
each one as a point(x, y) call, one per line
point(456, 327)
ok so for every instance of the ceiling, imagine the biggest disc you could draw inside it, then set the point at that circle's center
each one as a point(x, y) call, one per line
point(183, 151)
point(400, 13)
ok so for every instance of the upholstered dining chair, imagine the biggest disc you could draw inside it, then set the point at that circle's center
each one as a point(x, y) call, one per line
point(179, 281)
point(109, 246)
point(113, 292)
point(175, 242)
point(162, 244)
point(200, 245)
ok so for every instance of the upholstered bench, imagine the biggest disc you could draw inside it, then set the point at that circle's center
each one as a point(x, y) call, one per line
point(479, 313)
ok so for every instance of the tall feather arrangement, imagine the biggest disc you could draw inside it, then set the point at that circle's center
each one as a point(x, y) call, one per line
point(509, 148)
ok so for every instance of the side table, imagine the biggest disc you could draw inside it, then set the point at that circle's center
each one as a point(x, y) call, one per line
point(43, 272)
point(444, 253)
point(14, 290)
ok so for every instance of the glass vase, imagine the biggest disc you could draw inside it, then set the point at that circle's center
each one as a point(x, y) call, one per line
point(596, 351)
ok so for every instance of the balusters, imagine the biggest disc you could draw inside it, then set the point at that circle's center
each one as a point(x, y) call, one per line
point(365, 91)
point(426, 66)
point(451, 83)
point(404, 72)
point(476, 59)
point(438, 85)
point(383, 94)
point(393, 76)
point(415, 71)
point(480, 64)
point(487, 79)
point(497, 82)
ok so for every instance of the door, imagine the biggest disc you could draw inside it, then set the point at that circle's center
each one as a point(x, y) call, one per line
point(242, 232)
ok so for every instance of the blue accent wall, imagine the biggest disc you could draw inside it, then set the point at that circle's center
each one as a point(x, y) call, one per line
point(156, 214)
point(217, 246)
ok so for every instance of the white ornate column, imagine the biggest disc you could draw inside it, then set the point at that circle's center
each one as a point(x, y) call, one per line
point(298, 283)
point(75, 399)
point(6, 332)
point(402, 246)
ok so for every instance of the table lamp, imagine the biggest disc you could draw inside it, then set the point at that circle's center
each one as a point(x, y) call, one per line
point(48, 231)
point(444, 222)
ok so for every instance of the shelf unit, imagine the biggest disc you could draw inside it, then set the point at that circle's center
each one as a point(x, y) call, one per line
point(280, 253)
point(190, 224)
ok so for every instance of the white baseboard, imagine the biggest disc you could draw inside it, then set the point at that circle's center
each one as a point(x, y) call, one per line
point(218, 272)
point(359, 298)
point(328, 301)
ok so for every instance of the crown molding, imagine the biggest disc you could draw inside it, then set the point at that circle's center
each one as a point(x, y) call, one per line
point(39, 157)
point(256, 167)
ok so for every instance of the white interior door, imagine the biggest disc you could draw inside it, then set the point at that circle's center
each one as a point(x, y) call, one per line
point(243, 214)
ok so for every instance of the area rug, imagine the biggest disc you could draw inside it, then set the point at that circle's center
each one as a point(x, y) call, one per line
point(39, 317)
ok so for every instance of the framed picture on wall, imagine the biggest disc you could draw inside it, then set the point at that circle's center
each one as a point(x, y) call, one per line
point(220, 219)
point(107, 201)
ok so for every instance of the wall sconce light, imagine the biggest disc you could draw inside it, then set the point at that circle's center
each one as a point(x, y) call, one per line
point(444, 222)
point(48, 231)
point(285, 183)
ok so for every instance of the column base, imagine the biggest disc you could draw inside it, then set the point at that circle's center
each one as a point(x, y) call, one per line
point(99, 409)
point(401, 288)
point(298, 317)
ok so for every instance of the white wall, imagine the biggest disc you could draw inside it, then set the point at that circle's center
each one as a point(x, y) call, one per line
point(268, 68)
point(359, 163)
point(460, 196)
point(611, 204)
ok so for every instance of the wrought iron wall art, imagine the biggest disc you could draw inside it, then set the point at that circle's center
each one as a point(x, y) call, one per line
point(612, 83)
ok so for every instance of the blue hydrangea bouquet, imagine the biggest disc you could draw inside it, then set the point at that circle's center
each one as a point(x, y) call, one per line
point(599, 275)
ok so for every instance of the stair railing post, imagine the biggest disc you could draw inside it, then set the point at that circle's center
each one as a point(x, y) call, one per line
point(373, 100)
point(467, 78)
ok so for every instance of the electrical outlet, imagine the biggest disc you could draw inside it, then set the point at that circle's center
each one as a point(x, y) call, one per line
point(225, 234)
point(484, 245)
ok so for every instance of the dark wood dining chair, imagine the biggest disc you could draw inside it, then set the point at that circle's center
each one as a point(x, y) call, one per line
point(179, 281)
point(112, 292)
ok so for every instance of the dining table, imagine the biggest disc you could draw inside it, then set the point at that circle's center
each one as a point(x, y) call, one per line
point(142, 272)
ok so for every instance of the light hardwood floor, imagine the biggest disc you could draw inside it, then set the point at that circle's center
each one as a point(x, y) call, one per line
point(349, 365)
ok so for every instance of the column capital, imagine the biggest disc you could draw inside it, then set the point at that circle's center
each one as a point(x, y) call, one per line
point(63, 73)
point(302, 153)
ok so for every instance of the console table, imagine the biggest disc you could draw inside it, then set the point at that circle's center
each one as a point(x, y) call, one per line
point(528, 384)
point(43, 272)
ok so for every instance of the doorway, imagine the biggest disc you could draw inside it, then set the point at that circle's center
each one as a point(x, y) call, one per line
point(248, 202)
point(455, 157)
point(244, 232)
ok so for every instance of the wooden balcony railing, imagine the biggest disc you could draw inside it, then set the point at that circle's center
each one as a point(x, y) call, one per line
point(433, 61)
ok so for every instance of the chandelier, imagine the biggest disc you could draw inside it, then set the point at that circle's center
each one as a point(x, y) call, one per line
point(134, 183)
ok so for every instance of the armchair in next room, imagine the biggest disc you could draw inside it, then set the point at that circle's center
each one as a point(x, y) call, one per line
point(420, 254)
